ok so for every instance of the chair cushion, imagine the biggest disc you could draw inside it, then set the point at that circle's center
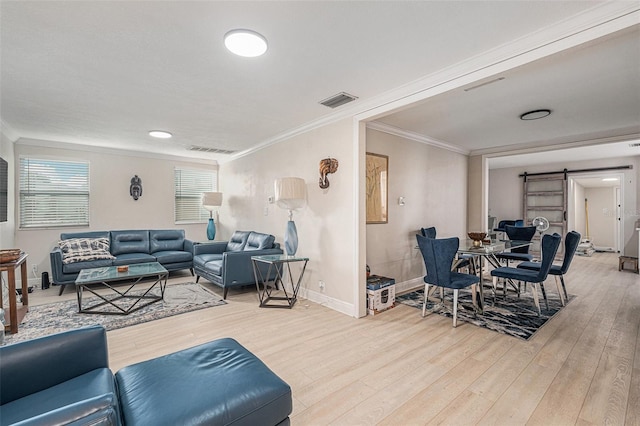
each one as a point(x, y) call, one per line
point(214, 266)
point(129, 242)
point(238, 240)
point(522, 257)
point(515, 274)
point(535, 266)
point(459, 280)
point(202, 259)
point(74, 268)
point(173, 256)
point(129, 258)
point(93, 384)
point(219, 382)
point(166, 240)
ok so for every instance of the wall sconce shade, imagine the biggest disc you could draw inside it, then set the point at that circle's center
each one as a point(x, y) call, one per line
point(211, 200)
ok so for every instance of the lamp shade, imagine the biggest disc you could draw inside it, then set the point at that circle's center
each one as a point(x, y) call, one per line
point(290, 192)
point(211, 200)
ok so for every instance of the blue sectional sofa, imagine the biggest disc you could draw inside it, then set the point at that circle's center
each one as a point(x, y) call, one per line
point(83, 250)
point(228, 264)
point(65, 378)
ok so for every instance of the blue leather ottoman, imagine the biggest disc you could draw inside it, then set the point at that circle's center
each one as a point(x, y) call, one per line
point(216, 383)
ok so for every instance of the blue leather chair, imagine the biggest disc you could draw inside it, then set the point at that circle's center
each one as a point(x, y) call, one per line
point(550, 244)
point(464, 260)
point(438, 256)
point(571, 241)
point(518, 233)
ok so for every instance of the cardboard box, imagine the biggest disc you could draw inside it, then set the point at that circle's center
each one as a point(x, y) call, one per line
point(381, 299)
point(375, 282)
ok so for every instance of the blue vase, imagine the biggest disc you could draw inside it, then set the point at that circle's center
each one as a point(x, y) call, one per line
point(211, 229)
point(291, 238)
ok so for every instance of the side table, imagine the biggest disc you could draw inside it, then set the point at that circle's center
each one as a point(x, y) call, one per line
point(278, 267)
point(16, 314)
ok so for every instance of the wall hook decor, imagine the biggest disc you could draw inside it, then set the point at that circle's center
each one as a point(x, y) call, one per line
point(327, 166)
point(136, 187)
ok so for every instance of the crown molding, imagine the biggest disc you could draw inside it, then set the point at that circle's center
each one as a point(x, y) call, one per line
point(111, 151)
point(8, 131)
point(396, 131)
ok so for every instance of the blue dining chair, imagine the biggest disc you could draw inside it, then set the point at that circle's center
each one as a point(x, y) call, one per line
point(463, 260)
point(438, 256)
point(428, 232)
point(571, 241)
point(518, 233)
point(550, 244)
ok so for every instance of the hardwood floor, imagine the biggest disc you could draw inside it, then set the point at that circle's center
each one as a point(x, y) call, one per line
point(582, 367)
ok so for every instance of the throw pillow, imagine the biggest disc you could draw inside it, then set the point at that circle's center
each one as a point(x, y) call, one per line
point(84, 249)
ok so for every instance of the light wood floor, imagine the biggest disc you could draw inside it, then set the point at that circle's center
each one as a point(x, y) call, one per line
point(582, 367)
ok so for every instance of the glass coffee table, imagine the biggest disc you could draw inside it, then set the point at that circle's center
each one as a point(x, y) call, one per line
point(121, 302)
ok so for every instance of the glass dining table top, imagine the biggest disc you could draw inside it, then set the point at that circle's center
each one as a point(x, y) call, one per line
point(493, 246)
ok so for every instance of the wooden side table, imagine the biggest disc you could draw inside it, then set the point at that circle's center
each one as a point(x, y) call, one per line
point(15, 314)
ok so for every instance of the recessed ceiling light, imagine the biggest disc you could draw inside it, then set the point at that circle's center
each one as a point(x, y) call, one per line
point(609, 179)
point(535, 115)
point(245, 43)
point(161, 134)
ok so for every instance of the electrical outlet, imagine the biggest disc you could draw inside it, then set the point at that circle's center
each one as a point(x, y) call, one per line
point(321, 285)
point(35, 269)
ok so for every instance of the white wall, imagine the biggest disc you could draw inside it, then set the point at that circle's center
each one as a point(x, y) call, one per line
point(7, 228)
point(111, 206)
point(434, 184)
point(505, 192)
point(326, 226)
point(602, 218)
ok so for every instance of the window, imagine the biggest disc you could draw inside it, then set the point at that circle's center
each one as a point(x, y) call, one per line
point(53, 193)
point(189, 186)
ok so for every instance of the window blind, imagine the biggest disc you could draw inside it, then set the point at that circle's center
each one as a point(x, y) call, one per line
point(53, 193)
point(189, 186)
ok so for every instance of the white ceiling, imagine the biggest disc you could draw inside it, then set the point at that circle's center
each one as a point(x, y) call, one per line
point(104, 73)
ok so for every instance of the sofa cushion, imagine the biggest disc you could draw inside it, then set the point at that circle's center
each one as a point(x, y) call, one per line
point(172, 256)
point(214, 267)
point(258, 241)
point(84, 249)
point(237, 241)
point(129, 258)
point(74, 268)
point(216, 383)
point(166, 240)
point(202, 259)
point(129, 242)
point(96, 383)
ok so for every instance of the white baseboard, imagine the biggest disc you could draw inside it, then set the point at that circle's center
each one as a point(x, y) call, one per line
point(410, 285)
point(329, 302)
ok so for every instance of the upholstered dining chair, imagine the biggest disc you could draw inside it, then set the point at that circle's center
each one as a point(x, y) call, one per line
point(550, 244)
point(518, 233)
point(571, 241)
point(428, 232)
point(463, 260)
point(438, 256)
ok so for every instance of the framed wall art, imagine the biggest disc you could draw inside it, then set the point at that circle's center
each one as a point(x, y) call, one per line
point(377, 169)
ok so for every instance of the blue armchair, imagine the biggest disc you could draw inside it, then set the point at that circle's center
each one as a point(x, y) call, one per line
point(228, 264)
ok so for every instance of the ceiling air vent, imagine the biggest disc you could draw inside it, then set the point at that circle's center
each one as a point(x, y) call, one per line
point(339, 99)
point(210, 150)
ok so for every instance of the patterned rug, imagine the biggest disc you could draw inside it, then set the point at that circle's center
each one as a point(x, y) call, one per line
point(514, 316)
point(55, 317)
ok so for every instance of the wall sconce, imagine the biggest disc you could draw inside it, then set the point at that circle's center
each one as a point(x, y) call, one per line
point(327, 166)
point(291, 194)
point(211, 200)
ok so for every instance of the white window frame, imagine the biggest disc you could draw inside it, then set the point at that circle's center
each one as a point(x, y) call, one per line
point(64, 201)
point(189, 184)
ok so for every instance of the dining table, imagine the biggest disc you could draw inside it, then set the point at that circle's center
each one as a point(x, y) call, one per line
point(487, 250)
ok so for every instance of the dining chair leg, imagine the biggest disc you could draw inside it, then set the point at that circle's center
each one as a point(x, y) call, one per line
point(560, 292)
point(566, 296)
point(544, 295)
point(424, 304)
point(534, 290)
point(455, 308)
point(474, 297)
point(495, 287)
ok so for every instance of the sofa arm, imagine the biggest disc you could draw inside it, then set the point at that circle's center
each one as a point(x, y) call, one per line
point(55, 257)
point(238, 268)
point(97, 411)
point(34, 365)
point(188, 246)
point(216, 247)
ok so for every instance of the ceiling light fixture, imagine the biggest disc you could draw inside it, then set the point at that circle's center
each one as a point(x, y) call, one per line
point(160, 134)
point(536, 114)
point(609, 179)
point(245, 43)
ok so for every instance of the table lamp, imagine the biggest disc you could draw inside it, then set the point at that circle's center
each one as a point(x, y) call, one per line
point(291, 194)
point(211, 200)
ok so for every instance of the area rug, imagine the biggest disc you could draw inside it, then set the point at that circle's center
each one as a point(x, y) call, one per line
point(513, 315)
point(52, 318)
